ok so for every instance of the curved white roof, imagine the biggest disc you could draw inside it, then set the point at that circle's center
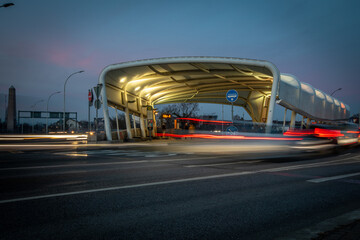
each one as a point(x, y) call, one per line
point(190, 79)
point(309, 101)
point(207, 79)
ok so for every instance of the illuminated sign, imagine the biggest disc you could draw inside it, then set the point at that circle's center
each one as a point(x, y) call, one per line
point(166, 115)
point(232, 95)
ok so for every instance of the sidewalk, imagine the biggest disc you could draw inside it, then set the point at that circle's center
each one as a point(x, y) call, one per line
point(344, 232)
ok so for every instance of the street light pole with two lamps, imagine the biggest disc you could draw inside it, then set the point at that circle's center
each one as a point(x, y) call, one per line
point(5, 5)
point(64, 97)
point(47, 110)
point(32, 117)
point(335, 91)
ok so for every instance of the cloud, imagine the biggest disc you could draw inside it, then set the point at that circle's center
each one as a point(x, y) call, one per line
point(59, 54)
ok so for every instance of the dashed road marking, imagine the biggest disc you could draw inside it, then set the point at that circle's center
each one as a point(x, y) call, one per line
point(222, 164)
point(163, 182)
point(125, 187)
point(128, 153)
point(107, 163)
point(319, 164)
point(325, 179)
point(72, 165)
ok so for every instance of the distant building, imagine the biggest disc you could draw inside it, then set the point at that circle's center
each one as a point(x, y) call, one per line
point(11, 110)
point(209, 117)
point(72, 124)
point(354, 118)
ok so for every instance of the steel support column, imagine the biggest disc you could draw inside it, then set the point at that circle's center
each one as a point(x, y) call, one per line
point(134, 123)
point(283, 128)
point(154, 124)
point(127, 121)
point(274, 91)
point(117, 124)
point(105, 108)
point(142, 126)
point(302, 122)
point(292, 121)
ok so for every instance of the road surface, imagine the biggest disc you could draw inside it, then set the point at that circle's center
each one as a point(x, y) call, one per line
point(132, 192)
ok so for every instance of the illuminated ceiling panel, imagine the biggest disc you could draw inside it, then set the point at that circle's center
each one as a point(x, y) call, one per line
point(189, 79)
point(206, 80)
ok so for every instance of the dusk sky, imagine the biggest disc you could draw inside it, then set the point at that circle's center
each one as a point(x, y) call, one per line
point(43, 41)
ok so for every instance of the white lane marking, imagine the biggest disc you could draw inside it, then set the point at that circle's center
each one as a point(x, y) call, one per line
point(105, 152)
point(73, 165)
point(121, 145)
point(325, 179)
point(320, 164)
point(118, 154)
point(222, 164)
point(108, 163)
point(125, 187)
point(135, 154)
point(76, 154)
point(328, 163)
point(144, 184)
point(85, 171)
point(12, 139)
point(183, 159)
point(129, 153)
point(346, 154)
point(151, 155)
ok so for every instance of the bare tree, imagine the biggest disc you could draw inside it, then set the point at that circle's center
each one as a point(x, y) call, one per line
point(181, 110)
point(238, 118)
point(122, 124)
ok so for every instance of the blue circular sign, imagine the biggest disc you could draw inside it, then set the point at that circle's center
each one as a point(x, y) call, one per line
point(232, 95)
point(231, 129)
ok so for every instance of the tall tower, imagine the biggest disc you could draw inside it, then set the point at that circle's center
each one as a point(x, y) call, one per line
point(11, 110)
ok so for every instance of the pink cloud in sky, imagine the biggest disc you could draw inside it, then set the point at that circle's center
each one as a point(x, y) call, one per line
point(87, 62)
point(59, 54)
point(71, 56)
point(59, 57)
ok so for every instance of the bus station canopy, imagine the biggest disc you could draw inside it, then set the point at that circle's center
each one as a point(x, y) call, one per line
point(190, 79)
point(133, 86)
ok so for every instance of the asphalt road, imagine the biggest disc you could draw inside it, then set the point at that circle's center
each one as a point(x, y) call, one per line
point(133, 192)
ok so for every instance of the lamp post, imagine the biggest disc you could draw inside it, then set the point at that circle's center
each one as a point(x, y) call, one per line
point(335, 91)
point(5, 5)
point(47, 110)
point(32, 117)
point(64, 96)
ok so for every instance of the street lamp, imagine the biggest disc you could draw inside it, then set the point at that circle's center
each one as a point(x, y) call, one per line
point(32, 117)
point(5, 5)
point(335, 91)
point(64, 95)
point(33, 106)
point(47, 110)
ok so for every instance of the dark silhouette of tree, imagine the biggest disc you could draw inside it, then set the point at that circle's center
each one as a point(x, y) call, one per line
point(181, 110)
point(354, 118)
point(238, 118)
point(122, 124)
